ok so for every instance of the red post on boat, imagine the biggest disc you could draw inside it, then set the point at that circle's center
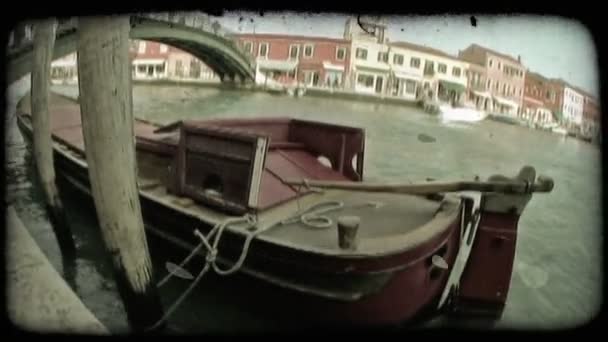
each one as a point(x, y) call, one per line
point(486, 279)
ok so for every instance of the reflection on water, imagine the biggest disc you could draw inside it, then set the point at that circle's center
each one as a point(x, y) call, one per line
point(556, 280)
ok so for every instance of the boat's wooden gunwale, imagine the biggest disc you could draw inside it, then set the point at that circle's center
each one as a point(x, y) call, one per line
point(369, 247)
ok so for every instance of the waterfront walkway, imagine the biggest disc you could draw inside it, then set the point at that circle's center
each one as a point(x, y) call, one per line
point(38, 298)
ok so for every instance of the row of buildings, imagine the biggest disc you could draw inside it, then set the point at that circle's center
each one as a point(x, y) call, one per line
point(149, 61)
point(365, 61)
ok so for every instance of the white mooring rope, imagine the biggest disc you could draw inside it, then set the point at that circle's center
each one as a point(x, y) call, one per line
point(311, 217)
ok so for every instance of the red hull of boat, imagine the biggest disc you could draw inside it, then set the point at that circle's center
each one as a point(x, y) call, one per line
point(413, 284)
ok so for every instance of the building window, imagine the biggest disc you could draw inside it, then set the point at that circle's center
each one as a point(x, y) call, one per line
point(341, 53)
point(497, 86)
point(498, 65)
point(141, 68)
point(415, 62)
point(163, 48)
point(456, 71)
point(308, 50)
point(263, 50)
point(142, 47)
point(429, 67)
point(361, 53)
point(249, 47)
point(489, 84)
point(383, 57)
point(365, 80)
point(195, 68)
point(179, 69)
point(410, 86)
point(294, 51)
point(490, 63)
point(398, 59)
point(442, 68)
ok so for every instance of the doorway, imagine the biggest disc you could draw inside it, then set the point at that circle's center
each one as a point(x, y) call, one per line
point(379, 81)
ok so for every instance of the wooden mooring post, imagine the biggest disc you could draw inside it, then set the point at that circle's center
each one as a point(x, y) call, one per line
point(44, 42)
point(106, 105)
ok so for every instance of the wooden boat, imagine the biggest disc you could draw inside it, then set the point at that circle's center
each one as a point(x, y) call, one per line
point(366, 253)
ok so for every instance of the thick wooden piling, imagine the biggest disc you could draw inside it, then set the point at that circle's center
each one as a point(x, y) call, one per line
point(44, 41)
point(19, 34)
point(107, 119)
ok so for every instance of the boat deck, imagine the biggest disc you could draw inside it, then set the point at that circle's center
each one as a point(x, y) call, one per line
point(389, 222)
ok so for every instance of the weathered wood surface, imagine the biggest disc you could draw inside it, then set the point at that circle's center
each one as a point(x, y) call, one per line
point(38, 298)
point(106, 104)
point(44, 41)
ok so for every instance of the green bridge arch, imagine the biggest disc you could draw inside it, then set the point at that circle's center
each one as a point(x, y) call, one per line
point(221, 54)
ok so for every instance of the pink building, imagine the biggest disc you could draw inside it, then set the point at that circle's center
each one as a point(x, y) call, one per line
point(312, 61)
point(504, 76)
point(149, 59)
point(152, 60)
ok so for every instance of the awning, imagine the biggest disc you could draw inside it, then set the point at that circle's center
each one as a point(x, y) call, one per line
point(406, 76)
point(533, 100)
point(505, 102)
point(372, 68)
point(449, 86)
point(278, 65)
point(482, 93)
point(64, 63)
point(149, 61)
point(544, 110)
point(333, 67)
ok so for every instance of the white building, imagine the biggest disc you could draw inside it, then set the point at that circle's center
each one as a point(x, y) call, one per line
point(149, 68)
point(182, 66)
point(572, 107)
point(65, 70)
point(369, 67)
point(417, 69)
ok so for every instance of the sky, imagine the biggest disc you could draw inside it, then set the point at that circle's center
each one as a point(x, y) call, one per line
point(552, 46)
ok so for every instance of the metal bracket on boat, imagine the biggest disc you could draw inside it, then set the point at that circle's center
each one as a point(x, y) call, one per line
point(466, 242)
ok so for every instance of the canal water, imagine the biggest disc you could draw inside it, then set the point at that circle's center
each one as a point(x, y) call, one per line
point(557, 279)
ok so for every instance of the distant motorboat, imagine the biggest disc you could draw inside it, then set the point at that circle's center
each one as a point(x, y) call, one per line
point(559, 130)
point(461, 114)
point(508, 119)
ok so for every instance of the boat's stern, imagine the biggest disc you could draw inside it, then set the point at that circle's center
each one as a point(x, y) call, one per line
point(484, 284)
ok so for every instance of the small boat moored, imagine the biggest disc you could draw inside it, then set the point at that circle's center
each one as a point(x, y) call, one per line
point(253, 196)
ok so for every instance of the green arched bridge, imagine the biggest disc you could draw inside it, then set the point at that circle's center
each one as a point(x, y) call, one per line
point(221, 54)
